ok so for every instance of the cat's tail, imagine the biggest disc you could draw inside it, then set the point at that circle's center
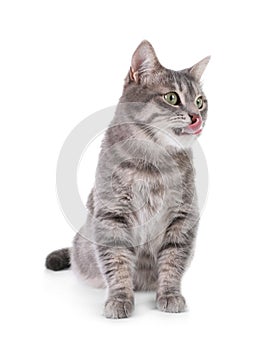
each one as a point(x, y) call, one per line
point(58, 260)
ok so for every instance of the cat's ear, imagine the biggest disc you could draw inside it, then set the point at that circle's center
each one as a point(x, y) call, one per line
point(144, 62)
point(197, 70)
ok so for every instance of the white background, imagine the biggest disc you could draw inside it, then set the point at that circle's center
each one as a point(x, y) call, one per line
point(63, 60)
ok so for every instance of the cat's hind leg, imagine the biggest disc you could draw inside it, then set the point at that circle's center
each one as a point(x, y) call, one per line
point(84, 262)
point(145, 276)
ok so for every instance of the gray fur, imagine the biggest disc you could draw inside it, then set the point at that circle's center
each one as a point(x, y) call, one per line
point(142, 212)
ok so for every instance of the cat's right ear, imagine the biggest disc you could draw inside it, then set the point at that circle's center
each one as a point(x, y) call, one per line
point(144, 62)
point(197, 70)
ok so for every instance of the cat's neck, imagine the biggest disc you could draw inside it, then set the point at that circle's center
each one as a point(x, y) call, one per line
point(133, 141)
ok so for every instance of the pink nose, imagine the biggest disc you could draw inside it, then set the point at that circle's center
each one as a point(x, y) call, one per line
point(194, 117)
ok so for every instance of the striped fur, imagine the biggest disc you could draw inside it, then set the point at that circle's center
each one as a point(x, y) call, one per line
point(142, 212)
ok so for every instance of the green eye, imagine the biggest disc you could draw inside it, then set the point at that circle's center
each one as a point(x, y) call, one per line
point(199, 102)
point(172, 98)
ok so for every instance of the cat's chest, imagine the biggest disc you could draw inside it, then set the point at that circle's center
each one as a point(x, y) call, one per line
point(155, 201)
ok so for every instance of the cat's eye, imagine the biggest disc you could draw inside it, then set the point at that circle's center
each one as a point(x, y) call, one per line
point(172, 98)
point(199, 102)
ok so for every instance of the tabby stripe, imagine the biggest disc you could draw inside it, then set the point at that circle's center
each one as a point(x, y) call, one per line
point(170, 245)
point(121, 219)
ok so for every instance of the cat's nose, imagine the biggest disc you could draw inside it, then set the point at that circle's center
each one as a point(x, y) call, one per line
point(193, 117)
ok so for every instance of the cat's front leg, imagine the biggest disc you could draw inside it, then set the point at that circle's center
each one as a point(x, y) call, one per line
point(117, 267)
point(172, 260)
point(116, 258)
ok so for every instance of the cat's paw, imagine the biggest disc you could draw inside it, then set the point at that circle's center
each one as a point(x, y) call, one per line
point(171, 303)
point(118, 308)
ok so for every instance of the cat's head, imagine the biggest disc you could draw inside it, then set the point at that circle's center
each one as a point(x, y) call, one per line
point(173, 102)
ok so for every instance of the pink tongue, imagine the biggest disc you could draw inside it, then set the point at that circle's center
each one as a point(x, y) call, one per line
point(195, 127)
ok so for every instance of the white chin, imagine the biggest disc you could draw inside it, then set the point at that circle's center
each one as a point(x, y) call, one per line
point(185, 140)
point(182, 141)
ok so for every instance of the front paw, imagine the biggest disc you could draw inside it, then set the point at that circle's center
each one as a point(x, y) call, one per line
point(116, 307)
point(171, 303)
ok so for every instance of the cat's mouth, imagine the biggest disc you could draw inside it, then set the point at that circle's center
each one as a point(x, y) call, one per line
point(195, 128)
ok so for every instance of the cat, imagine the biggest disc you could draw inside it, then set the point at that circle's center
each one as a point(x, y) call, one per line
point(142, 212)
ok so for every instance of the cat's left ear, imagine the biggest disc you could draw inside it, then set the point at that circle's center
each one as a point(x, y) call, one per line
point(197, 70)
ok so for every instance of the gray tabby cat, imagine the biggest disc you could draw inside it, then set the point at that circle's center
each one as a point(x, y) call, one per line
point(142, 212)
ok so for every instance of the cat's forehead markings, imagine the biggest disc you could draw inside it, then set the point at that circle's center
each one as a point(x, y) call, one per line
point(180, 84)
point(191, 88)
point(179, 87)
